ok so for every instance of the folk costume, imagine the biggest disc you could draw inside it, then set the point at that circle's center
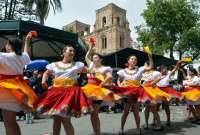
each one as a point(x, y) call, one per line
point(93, 90)
point(15, 94)
point(65, 98)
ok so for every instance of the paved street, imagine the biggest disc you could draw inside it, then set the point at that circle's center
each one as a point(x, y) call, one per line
point(111, 123)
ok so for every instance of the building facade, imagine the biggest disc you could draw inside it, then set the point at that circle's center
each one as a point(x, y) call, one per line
point(78, 27)
point(111, 29)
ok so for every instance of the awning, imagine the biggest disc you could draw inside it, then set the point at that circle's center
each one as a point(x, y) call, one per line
point(49, 43)
point(119, 58)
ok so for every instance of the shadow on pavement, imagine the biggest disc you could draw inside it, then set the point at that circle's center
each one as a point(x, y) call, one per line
point(175, 128)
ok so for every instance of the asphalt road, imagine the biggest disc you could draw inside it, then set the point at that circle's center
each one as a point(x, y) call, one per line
point(110, 124)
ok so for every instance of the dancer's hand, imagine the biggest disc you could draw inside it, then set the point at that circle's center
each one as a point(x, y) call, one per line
point(153, 84)
point(44, 85)
point(83, 70)
point(28, 37)
point(102, 84)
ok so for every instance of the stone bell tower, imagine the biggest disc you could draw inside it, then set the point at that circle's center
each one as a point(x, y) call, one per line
point(111, 29)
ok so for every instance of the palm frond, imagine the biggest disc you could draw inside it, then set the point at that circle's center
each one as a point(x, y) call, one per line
point(29, 3)
point(43, 9)
point(53, 6)
point(57, 4)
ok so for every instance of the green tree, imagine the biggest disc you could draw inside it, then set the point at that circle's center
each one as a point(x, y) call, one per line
point(69, 29)
point(14, 10)
point(43, 6)
point(148, 38)
point(190, 40)
point(166, 22)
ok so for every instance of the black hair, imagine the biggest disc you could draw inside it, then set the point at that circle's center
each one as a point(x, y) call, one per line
point(147, 62)
point(64, 50)
point(67, 46)
point(193, 70)
point(158, 69)
point(99, 55)
point(163, 67)
point(16, 45)
point(130, 57)
point(3, 49)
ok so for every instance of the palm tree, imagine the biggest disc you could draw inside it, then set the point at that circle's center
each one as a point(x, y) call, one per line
point(43, 7)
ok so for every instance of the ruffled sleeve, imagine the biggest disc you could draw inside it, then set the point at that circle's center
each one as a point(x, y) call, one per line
point(26, 58)
point(197, 81)
point(91, 65)
point(185, 82)
point(50, 66)
point(194, 82)
point(1, 58)
point(156, 74)
point(142, 69)
point(79, 65)
point(120, 73)
point(108, 69)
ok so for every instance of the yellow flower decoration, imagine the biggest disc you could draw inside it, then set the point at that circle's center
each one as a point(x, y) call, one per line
point(147, 49)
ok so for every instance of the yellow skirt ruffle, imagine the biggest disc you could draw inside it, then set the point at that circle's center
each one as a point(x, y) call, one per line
point(18, 89)
point(157, 94)
point(98, 93)
point(192, 95)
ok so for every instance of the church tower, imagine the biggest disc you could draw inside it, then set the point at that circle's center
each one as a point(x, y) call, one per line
point(111, 29)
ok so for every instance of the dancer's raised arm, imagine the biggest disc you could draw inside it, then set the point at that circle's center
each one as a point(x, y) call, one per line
point(88, 55)
point(150, 66)
point(45, 77)
point(27, 43)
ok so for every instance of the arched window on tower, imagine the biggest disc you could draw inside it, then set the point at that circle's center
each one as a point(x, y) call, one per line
point(118, 20)
point(104, 42)
point(121, 41)
point(104, 21)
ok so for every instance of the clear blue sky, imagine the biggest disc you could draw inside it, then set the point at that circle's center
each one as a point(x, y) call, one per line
point(84, 11)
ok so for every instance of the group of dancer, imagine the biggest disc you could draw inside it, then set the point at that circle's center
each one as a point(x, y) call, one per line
point(66, 99)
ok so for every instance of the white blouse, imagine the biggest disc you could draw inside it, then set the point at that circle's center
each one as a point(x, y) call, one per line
point(62, 70)
point(103, 69)
point(195, 81)
point(164, 82)
point(150, 75)
point(136, 75)
point(12, 64)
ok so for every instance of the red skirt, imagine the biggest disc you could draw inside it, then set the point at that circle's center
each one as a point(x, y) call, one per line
point(144, 97)
point(64, 101)
point(192, 95)
point(153, 95)
point(15, 93)
point(134, 92)
point(172, 92)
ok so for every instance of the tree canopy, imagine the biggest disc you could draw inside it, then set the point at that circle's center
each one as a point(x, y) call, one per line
point(170, 25)
point(14, 10)
point(28, 9)
point(42, 7)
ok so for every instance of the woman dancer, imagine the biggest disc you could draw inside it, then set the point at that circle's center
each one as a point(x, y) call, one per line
point(129, 86)
point(163, 83)
point(192, 92)
point(15, 94)
point(152, 96)
point(99, 76)
point(65, 98)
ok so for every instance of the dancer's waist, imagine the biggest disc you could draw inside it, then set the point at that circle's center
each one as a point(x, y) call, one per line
point(64, 82)
point(95, 81)
point(192, 87)
point(2, 77)
point(131, 83)
point(147, 83)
